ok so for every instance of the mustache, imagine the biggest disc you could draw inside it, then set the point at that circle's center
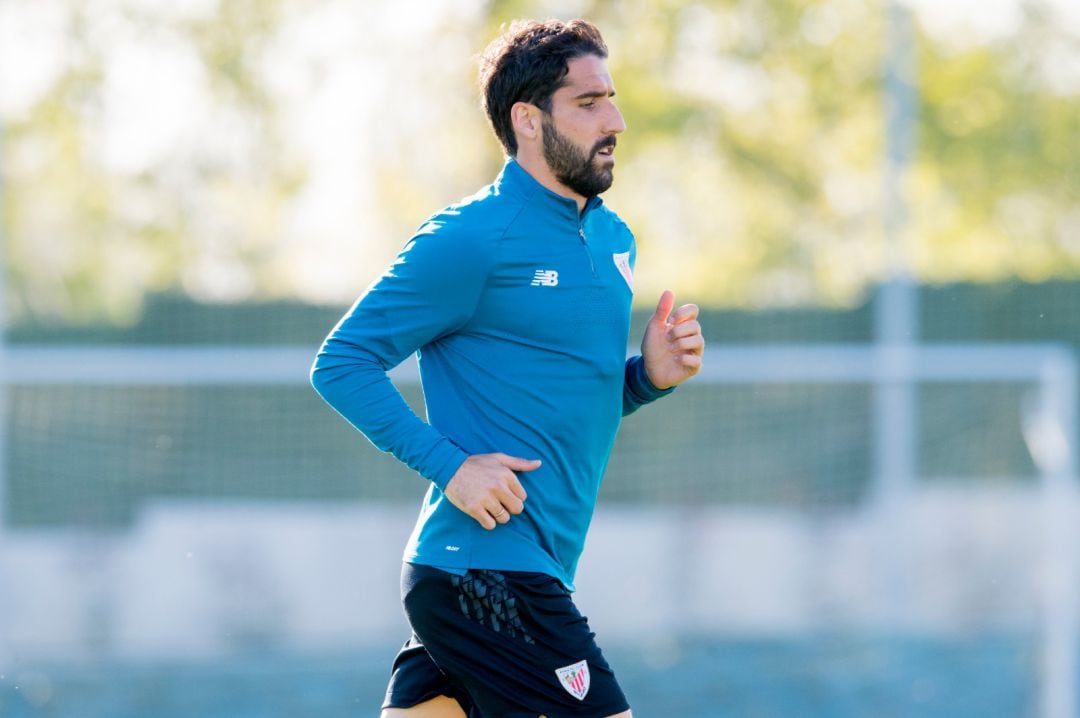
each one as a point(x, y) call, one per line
point(606, 142)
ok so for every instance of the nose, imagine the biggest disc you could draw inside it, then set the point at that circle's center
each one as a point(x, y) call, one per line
point(615, 123)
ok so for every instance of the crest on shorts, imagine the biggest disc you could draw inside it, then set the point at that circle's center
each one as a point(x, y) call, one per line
point(575, 679)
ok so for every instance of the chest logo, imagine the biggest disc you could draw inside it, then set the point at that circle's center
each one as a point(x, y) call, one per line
point(622, 263)
point(545, 278)
point(575, 679)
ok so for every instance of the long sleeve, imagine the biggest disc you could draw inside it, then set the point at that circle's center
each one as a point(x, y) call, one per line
point(637, 389)
point(430, 290)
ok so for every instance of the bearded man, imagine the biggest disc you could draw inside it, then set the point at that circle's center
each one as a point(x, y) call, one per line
point(517, 300)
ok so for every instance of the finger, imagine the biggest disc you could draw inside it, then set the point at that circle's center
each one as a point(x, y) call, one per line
point(693, 345)
point(499, 515)
point(516, 488)
point(691, 361)
point(515, 463)
point(663, 307)
point(685, 313)
point(691, 326)
point(484, 518)
point(509, 501)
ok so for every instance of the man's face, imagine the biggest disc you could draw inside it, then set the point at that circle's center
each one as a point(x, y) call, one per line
point(579, 134)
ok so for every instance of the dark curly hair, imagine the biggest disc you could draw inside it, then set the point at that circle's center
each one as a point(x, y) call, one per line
point(528, 63)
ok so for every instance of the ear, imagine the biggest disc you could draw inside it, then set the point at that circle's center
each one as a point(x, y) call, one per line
point(525, 119)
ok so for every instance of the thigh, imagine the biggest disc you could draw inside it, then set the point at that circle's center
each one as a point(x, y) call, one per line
point(513, 641)
point(438, 707)
point(420, 687)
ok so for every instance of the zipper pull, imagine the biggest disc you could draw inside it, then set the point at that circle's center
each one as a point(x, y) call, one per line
point(581, 233)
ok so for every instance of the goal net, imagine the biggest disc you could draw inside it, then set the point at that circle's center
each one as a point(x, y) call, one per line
point(830, 528)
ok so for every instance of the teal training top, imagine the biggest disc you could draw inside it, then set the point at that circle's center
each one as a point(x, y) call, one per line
point(519, 309)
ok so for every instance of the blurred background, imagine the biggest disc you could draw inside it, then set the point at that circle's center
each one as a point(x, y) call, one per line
point(865, 505)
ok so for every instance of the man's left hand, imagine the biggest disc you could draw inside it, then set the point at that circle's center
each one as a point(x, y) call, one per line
point(673, 344)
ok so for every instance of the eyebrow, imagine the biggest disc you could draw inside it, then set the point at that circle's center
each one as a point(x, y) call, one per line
point(594, 93)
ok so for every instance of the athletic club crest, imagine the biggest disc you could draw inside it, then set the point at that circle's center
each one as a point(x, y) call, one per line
point(575, 679)
point(622, 261)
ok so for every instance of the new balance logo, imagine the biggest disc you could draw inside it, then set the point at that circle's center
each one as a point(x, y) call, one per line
point(545, 278)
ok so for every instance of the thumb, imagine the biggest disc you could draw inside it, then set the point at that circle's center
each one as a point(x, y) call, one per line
point(517, 464)
point(664, 306)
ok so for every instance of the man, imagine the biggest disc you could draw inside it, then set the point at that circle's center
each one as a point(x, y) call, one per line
point(517, 300)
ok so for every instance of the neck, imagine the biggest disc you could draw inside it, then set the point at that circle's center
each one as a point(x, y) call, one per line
point(534, 163)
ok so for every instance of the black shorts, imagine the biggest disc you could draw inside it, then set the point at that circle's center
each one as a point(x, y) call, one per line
point(503, 644)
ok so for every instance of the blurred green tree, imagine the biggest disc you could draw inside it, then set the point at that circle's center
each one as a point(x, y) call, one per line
point(751, 172)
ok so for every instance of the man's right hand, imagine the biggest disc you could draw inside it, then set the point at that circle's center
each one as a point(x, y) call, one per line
point(486, 488)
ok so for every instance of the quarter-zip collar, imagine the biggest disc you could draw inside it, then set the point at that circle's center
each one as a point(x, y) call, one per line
point(515, 179)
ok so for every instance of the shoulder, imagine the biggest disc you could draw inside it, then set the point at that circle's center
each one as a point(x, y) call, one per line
point(613, 223)
point(462, 238)
point(476, 222)
point(613, 220)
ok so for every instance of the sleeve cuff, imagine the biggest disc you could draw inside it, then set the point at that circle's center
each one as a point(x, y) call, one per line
point(638, 384)
point(450, 460)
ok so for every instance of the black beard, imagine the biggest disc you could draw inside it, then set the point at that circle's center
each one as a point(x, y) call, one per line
point(572, 167)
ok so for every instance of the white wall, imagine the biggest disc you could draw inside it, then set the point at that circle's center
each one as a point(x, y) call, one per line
point(204, 579)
